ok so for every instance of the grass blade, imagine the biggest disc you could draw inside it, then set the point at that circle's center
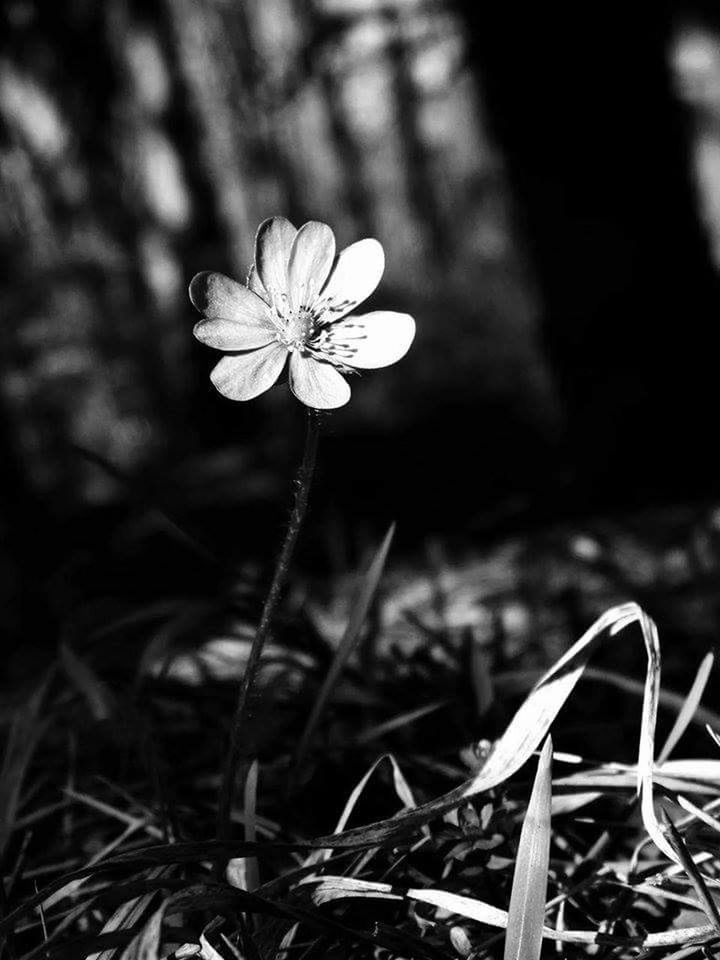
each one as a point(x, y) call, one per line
point(692, 701)
point(87, 683)
point(402, 789)
point(127, 914)
point(330, 888)
point(690, 867)
point(526, 914)
point(26, 730)
point(146, 944)
point(169, 853)
point(242, 872)
point(358, 613)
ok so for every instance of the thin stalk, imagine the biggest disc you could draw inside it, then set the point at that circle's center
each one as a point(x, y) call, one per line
point(243, 708)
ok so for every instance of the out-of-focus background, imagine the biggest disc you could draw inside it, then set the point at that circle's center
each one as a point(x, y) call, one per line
point(546, 184)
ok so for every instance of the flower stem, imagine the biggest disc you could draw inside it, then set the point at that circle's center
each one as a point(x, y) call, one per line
point(247, 693)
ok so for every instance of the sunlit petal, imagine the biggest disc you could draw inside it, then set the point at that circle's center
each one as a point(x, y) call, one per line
point(369, 340)
point(316, 384)
point(255, 284)
point(311, 259)
point(232, 334)
point(273, 243)
point(357, 272)
point(247, 375)
point(219, 297)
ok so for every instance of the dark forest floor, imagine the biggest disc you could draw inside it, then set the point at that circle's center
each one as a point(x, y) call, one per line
point(117, 722)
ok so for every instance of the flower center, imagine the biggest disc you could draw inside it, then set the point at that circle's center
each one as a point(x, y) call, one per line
point(299, 329)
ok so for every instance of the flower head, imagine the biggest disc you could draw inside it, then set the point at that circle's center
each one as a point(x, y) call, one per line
point(297, 304)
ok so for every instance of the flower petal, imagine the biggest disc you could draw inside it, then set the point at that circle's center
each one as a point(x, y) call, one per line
point(273, 243)
point(235, 318)
point(357, 272)
point(317, 385)
point(247, 375)
point(311, 259)
point(369, 340)
point(254, 283)
point(219, 297)
point(232, 335)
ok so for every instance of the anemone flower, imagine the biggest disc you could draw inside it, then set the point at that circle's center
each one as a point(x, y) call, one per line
point(297, 304)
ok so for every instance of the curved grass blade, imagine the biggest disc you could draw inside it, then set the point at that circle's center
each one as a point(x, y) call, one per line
point(530, 725)
point(526, 914)
point(515, 681)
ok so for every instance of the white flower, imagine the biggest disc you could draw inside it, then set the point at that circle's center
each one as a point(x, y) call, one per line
point(297, 304)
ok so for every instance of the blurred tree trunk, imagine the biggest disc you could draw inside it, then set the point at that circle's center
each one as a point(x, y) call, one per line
point(581, 103)
point(421, 179)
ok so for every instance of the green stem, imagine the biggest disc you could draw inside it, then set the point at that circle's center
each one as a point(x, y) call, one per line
point(247, 693)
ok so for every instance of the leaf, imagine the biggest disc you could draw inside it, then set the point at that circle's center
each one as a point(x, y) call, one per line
point(358, 612)
point(689, 707)
point(526, 915)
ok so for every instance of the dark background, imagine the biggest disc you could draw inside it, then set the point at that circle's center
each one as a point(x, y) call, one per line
point(547, 188)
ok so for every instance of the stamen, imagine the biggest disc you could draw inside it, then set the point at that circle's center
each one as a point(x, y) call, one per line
point(326, 306)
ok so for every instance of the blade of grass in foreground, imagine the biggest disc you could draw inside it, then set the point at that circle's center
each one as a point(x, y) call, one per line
point(358, 613)
point(526, 914)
